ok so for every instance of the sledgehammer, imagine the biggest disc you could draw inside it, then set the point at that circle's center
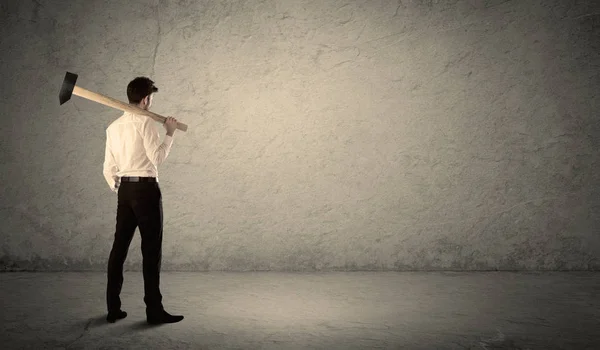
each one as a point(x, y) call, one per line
point(68, 88)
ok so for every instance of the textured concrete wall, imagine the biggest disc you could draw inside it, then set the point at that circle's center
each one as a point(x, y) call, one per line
point(322, 134)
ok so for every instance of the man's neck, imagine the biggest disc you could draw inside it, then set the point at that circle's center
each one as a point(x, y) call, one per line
point(138, 106)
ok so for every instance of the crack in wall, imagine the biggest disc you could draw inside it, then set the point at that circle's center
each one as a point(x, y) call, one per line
point(157, 38)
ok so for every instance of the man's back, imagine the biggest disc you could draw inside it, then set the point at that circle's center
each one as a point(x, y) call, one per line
point(133, 148)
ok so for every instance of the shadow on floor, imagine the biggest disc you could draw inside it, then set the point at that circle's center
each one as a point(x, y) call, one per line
point(100, 321)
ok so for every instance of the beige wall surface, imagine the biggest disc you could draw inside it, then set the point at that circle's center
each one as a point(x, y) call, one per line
point(323, 135)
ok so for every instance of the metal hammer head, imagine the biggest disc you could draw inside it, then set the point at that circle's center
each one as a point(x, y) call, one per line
point(67, 87)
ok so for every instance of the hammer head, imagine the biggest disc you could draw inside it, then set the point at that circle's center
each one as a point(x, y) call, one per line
point(67, 87)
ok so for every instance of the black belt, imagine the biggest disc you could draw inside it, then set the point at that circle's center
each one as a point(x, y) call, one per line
point(137, 179)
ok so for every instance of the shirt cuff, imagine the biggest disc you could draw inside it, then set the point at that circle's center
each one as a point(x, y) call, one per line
point(168, 140)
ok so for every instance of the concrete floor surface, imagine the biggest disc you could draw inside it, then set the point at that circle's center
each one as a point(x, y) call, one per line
point(327, 310)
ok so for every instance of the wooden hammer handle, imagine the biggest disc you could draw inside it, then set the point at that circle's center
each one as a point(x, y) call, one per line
point(111, 102)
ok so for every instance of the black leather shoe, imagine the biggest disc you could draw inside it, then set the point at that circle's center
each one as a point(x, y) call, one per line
point(113, 316)
point(162, 317)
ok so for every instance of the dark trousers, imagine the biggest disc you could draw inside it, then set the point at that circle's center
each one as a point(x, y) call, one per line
point(139, 205)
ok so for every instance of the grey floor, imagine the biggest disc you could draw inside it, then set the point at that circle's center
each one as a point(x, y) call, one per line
point(330, 310)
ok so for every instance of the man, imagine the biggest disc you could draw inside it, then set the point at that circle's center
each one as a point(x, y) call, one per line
point(132, 155)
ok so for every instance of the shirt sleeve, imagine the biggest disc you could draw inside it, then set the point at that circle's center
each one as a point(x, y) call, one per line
point(110, 167)
point(156, 151)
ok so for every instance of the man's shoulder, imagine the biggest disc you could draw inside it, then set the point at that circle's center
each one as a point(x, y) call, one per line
point(126, 118)
point(137, 118)
point(116, 121)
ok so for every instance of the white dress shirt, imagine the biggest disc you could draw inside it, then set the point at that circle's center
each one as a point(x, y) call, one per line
point(133, 148)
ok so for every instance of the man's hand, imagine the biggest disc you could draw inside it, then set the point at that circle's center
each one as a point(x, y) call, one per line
point(171, 125)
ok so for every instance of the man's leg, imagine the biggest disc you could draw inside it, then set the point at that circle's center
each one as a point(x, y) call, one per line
point(125, 228)
point(150, 219)
point(149, 214)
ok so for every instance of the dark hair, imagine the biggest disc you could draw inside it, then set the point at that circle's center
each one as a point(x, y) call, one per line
point(139, 88)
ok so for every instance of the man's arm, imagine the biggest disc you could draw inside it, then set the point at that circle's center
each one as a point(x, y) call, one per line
point(156, 151)
point(110, 168)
